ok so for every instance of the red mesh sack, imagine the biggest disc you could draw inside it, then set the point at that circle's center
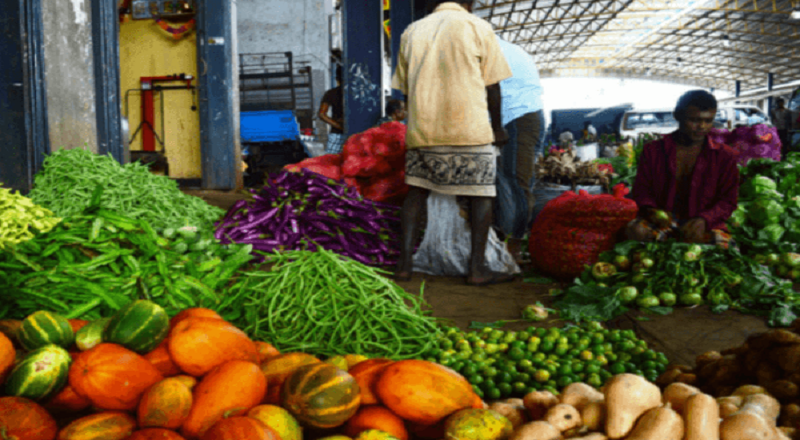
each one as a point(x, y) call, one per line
point(574, 229)
point(328, 165)
point(387, 189)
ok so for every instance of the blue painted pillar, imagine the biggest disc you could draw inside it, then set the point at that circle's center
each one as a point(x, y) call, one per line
point(363, 65)
point(105, 35)
point(770, 84)
point(738, 88)
point(402, 16)
point(215, 58)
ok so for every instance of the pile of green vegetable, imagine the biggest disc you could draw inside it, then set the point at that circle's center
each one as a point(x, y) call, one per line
point(501, 364)
point(68, 177)
point(21, 219)
point(326, 304)
point(767, 220)
point(658, 276)
point(93, 263)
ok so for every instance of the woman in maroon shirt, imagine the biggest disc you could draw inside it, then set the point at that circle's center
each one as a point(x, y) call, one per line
point(688, 176)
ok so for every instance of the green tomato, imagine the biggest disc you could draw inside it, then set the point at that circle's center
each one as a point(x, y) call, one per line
point(668, 299)
point(627, 294)
point(647, 301)
point(691, 299)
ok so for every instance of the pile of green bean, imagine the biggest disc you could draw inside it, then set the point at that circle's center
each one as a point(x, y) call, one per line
point(325, 304)
point(93, 263)
point(20, 218)
point(68, 177)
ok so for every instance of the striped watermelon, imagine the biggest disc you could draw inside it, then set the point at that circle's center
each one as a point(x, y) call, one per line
point(45, 328)
point(40, 374)
point(320, 395)
point(91, 334)
point(140, 326)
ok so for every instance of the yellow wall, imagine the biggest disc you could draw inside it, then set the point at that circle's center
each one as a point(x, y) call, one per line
point(147, 50)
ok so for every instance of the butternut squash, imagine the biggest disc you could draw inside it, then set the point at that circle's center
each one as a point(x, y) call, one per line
point(563, 417)
point(701, 415)
point(538, 402)
point(628, 396)
point(660, 423)
point(537, 431)
point(594, 416)
point(580, 394)
point(676, 395)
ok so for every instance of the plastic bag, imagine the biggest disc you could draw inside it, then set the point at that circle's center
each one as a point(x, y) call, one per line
point(390, 189)
point(328, 165)
point(447, 244)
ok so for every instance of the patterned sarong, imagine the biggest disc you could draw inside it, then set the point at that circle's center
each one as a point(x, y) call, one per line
point(458, 171)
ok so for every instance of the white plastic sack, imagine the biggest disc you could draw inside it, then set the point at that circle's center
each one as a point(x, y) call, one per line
point(314, 149)
point(447, 244)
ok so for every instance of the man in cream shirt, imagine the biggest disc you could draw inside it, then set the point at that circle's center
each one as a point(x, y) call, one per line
point(449, 68)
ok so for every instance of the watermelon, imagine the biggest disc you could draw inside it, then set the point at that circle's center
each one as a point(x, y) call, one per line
point(44, 328)
point(91, 334)
point(140, 326)
point(39, 374)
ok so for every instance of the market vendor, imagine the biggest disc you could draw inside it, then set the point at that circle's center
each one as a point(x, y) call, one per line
point(333, 103)
point(688, 177)
point(395, 112)
point(449, 68)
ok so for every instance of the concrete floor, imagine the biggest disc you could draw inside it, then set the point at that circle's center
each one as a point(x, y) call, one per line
point(682, 335)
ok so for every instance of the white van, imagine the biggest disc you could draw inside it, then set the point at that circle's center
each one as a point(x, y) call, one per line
point(660, 121)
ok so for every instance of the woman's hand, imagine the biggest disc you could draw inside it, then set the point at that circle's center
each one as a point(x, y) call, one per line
point(694, 231)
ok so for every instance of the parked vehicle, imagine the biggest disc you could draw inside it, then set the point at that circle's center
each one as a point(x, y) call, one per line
point(660, 121)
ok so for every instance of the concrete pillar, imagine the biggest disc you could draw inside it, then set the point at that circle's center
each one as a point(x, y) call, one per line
point(402, 16)
point(69, 70)
point(770, 84)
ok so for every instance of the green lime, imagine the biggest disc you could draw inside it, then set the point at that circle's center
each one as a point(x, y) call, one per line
point(578, 366)
point(524, 364)
point(627, 346)
point(624, 357)
point(540, 357)
point(541, 331)
point(532, 348)
point(518, 344)
point(475, 379)
point(516, 354)
point(504, 376)
point(661, 358)
point(649, 365)
point(489, 371)
point(617, 368)
point(458, 365)
point(488, 384)
point(503, 347)
point(564, 370)
point(605, 375)
point(598, 338)
point(612, 357)
point(593, 367)
point(519, 387)
point(523, 335)
point(542, 375)
point(523, 377)
point(595, 380)
point(638, 372)
point(478, 391)
point(494, 394)
point(602, 360)
point(505, 388)
point(469, 370)
point(529, 390)
point(496, 334)
point(587, 355)
point(614, 336)
point(564, 381)
point(650, 355)
point(491, 348)
point(561, 350)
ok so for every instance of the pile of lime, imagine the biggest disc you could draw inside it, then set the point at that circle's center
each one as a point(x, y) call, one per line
point(501, 364)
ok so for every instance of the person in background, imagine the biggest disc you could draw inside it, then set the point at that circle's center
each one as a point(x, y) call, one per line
point(523, 119)
point(686, 185)
point(333, 101)
point(589, 132)
point(449, 68)
point(781, 119)
point(395, 112)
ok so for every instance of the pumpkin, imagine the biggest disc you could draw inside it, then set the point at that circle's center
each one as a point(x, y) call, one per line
point(279, 420)
point(24, 419)
point(279, 368)
point(67, 401)
point(376, 417)
point(197, 345)
point(229, 390)
point(44, 328)
point(366, 374)
point(194, 312)
point(77, 324)
point(110, 425)
point(375, 434)
point(112, 377)
point(240, 428)
point(7, 356)
point(40, 373)
point(139, 326)
point(266, 351)
point(161, 359)
point(165, 405)
point(155, 434)
point(424, 392)
point(320, 395)
point(91, 334)
point(9, 328)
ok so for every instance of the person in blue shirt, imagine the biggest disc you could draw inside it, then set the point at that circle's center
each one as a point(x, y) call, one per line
point(523, 118)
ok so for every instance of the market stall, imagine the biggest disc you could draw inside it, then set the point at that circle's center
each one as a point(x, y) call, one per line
point(133, 310)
